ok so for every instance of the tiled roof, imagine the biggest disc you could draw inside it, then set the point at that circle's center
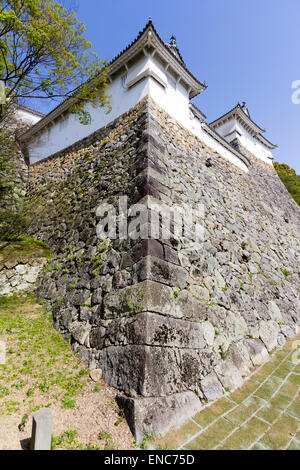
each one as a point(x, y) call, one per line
point(63, 106)
point(213, 133)
point(30, 110)
point(236, 108)
point(257, 130)
point(172, 46)
point(179, 59)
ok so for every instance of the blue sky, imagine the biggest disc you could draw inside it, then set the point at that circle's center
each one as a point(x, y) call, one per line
point(244, 50)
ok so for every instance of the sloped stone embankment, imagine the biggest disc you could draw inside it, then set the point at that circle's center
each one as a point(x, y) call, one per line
point(170, 323)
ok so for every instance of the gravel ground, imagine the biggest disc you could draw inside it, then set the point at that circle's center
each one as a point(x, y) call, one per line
point(40, 371)
point(96, 413)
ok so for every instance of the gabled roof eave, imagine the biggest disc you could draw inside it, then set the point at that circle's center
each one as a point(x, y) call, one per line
point(214, 134)
point(117, 63)
point(29, 110)
point(237, 111)
point(266, 142)
point(246, 122)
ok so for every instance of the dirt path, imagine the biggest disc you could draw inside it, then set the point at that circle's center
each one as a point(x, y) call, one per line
point(41, 370)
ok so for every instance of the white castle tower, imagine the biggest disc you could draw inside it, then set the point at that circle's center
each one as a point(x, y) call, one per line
point(149, 66)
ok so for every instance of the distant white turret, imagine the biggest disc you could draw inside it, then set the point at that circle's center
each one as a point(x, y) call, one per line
point(236, 126)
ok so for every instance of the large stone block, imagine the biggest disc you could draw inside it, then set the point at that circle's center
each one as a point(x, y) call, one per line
point(127, 301)
point(146, 185)
point(191, 308)
point(80, 331)
point(208, 332)
point(97, 296)
point(144, 296)
point(268, 332)
point(240, 356)
point(236, 327)
point(79, 297)
point(157, 330)
point(67, 316)
point(211, 387)
point(32, 274)
point(274, 311)
point(97, 337)
point(191, 367)
point(228, 374)
point(149, 329)
point(150, 371)
point(149, 247)
point(258, 352)
point(157, 415)
point(159, 270)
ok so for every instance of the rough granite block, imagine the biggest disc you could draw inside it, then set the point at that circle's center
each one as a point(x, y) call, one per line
point(157, 415)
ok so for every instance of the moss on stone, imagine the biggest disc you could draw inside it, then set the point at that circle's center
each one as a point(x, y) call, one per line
point(24, 248)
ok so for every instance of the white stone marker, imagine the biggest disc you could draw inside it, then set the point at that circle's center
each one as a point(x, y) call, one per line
point(2, 353)
point(41, 430)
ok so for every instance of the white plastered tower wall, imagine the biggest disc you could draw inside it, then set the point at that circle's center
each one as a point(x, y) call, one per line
point(67, 130)
point(234, 130)
point(27, 115)
point(237, 125)
point(146, 67)
point(175, 101)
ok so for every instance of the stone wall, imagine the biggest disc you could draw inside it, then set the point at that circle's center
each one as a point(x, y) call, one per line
point(16, 173)
point(20, 275)
point(169, 324)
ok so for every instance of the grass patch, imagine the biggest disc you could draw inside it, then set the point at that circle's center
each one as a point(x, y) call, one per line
point(108, 442)
point(23, 423)
point(24, 248)
point(40, 363)
point(68, 403)
point(146, 440)
point(66, 440)
point(286, 273)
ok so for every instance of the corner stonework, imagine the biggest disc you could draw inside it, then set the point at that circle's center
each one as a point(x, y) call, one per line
point(160, 358)
point(171, 326)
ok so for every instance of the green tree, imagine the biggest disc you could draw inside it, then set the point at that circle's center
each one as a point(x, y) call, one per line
point(12, 221)
point(290, 179)
point(284, 168)
point(44, 54)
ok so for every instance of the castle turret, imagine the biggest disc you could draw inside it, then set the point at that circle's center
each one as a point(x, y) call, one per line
point(151, 67)
point(147, 66)
point(237, 128)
